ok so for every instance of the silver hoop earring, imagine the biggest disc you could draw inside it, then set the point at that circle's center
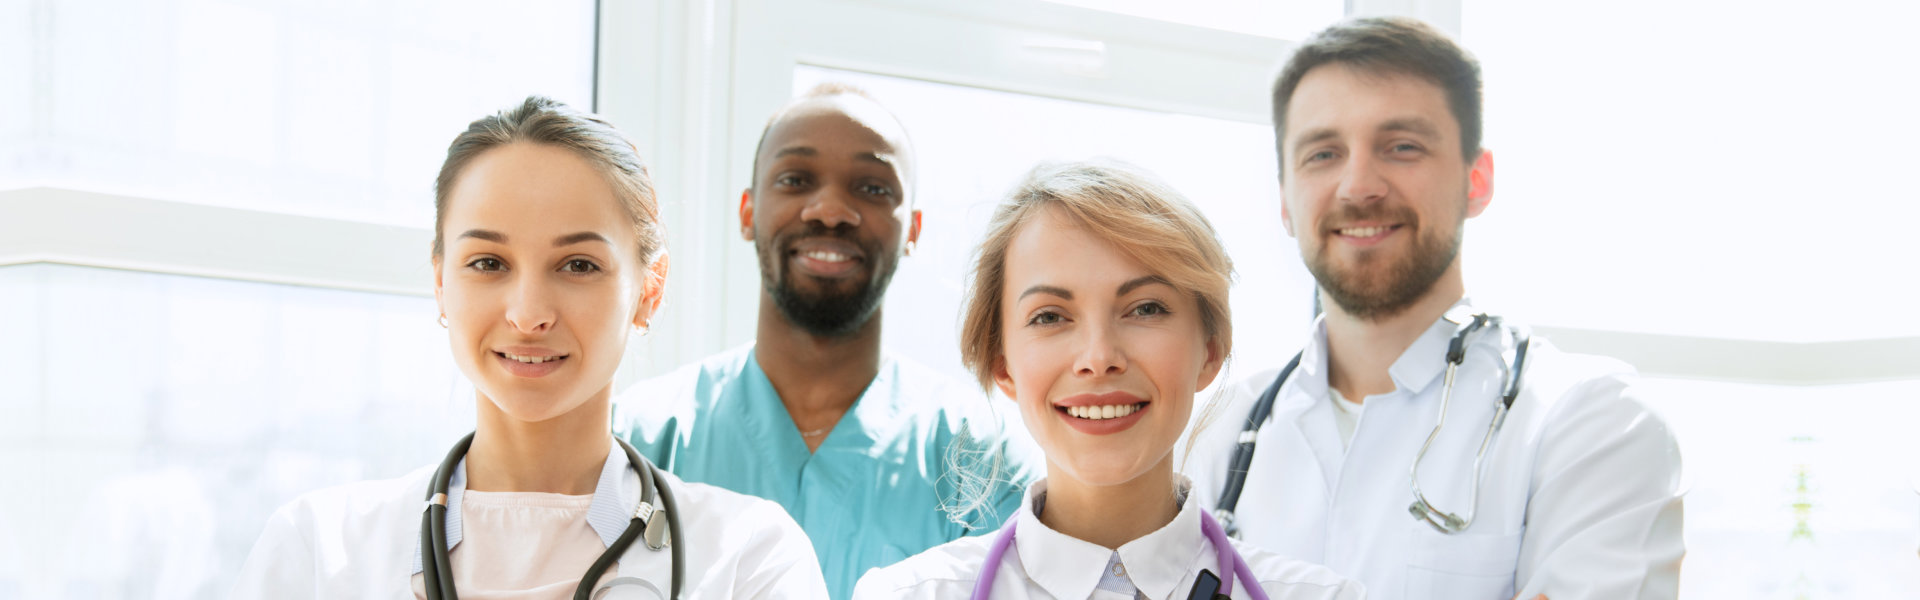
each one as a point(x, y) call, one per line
point(443, 320)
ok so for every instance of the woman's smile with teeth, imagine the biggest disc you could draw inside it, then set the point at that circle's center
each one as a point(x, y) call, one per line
point(532, 359)
point(1109, 411)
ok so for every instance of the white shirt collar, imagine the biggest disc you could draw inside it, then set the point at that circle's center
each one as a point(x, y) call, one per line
point(1067, 567)
point(1416, 368)
point(608, 515)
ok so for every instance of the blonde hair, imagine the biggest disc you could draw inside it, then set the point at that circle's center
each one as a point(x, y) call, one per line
point(1118, 202)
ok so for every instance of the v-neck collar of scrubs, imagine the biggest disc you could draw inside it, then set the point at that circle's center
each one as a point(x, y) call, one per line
point(609, 514)
point(1067, 567)
point(854, 432)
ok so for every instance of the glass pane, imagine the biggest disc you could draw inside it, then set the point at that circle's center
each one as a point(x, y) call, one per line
point(16, 85)
point(1716, 168)
point(156, 421)
point(1797, 492)
point(339, 110)
point(975, 144)
point(1283, 19)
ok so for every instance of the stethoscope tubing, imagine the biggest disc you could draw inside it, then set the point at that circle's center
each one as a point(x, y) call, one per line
point(437, 573)
point(1242, 459)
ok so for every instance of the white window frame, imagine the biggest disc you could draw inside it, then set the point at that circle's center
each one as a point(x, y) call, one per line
point(694, 81)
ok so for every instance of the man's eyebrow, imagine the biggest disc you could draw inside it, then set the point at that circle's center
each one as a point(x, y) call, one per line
point(491, 236)
point(1413, 125)
point(1141, 281)
point(796, 150)
point(1312, 136)
point(1063, 293)
point(584, 236)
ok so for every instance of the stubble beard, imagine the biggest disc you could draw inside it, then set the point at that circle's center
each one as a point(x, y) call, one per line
point(1396, 285)
point(830, 313)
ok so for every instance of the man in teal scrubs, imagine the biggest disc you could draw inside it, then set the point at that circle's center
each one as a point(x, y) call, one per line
point(854, 442)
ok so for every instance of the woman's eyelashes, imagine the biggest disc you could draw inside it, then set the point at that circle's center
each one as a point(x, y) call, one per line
point(486, 264)
point(580, 266)
point(1046, 317)
point(1149, 309)
point(1143, 310)
point(572, 266)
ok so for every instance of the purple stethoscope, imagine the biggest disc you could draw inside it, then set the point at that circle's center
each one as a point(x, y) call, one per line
point(1230, 561)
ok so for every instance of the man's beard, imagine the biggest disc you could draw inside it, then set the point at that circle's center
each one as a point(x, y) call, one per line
point(1394, 286)
point(831, 312)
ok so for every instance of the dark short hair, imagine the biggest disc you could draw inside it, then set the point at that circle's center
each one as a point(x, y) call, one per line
point(825, 90)
point(1389, 45)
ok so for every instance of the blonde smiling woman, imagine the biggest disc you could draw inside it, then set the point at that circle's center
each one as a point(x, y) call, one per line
point(548, 255)
point(1099, 305)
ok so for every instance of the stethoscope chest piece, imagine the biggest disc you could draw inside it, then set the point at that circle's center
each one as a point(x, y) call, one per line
point(657, 532)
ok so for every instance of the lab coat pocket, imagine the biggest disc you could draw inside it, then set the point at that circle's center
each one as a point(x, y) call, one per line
point(1462, 565)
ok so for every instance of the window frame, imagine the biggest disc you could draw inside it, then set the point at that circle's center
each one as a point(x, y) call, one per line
point(693, 81)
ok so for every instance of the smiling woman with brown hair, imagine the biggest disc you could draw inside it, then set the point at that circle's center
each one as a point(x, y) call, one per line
point(548, 255)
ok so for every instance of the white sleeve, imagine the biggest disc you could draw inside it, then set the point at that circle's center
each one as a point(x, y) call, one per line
point(1604, 519)
point(1344, 590)
point(281, 563)
point(880, 584)
point(904, 581)
point(778, 560)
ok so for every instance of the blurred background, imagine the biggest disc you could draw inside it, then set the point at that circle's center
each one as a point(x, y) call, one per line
point(215, 217)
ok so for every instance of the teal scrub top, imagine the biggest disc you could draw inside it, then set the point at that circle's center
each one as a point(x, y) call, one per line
point(872, 494)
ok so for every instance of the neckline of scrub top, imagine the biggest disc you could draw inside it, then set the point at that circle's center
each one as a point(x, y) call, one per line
point(609, 513)
point(850, 433)
point(1068, 567)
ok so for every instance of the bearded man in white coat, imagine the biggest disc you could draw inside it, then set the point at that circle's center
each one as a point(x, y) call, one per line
point(1378, 125)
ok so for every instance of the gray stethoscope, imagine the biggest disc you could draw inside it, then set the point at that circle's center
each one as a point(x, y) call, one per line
point(438, 570)
point(1443, 521)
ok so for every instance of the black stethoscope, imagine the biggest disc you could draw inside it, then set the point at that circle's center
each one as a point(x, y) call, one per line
point(438, 570)
point(1445, 522)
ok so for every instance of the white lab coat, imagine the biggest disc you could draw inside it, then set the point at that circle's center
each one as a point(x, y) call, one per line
point(1579, 499)
point(1043, 563)
point(360, 540)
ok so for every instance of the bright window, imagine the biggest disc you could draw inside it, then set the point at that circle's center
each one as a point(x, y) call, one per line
point(1796, 491)
point(975, 144)
point(161, 419)
point(1721, 169)
point(1285, 19)
point(1716, 168)
point(333, 110)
